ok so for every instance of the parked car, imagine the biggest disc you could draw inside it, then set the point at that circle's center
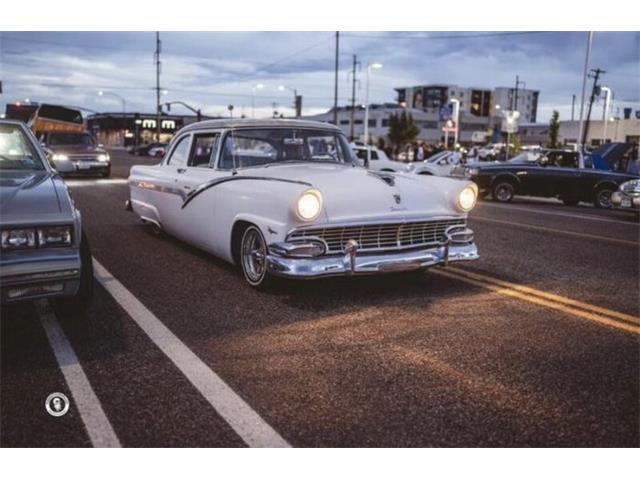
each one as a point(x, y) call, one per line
point(79, 151)
point(627, 197)
point(44, 251)
point(143, 150)
point(288, 198)
point(554, 174)
point(441, 164)
point(157, 151)
point(378, 159)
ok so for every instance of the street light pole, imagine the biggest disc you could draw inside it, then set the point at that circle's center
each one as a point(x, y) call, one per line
point(124, 108)
point(370, 66)
point(456, 116)
point(605, 112)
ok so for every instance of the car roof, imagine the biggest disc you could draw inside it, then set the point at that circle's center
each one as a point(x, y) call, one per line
point(8, 121)
point(260, 123)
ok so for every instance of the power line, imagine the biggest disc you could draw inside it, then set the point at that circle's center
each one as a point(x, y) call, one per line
point(443, 37)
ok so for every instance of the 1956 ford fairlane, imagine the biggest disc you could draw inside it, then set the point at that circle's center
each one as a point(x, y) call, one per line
point(288, 198)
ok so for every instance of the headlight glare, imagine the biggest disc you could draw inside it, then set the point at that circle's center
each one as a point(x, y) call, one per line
point(18, 238)
point(103, 157)
point(54, 236)
point(309, 205)
point(60, 156)
point(467, 197)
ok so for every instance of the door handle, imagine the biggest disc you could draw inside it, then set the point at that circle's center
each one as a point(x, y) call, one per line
point(181, 170)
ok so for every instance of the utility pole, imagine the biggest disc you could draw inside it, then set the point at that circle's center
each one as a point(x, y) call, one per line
point(335, 81)
point(587, 59)
point(353, 98)
point(595, 90)
point(158, 106)
point(573, 106)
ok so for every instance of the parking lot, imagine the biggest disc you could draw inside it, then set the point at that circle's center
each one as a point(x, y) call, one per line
point(536, 344)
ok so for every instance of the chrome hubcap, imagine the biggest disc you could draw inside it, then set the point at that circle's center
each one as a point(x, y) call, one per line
point(504, 192)
point(604, 198)
point(253, 255)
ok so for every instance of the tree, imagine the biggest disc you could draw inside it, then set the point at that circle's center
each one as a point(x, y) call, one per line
point(402, 129)
point(554, 130)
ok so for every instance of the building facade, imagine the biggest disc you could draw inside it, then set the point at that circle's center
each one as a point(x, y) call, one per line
point(131, 129)
point(472, 128)
point(477, 102)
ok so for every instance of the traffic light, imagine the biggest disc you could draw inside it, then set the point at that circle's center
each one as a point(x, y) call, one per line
point(298, 105)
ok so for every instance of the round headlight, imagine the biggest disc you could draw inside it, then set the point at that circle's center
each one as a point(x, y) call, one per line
point(309, 205)
point(467, 197)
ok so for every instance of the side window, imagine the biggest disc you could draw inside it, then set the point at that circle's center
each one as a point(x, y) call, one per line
point(374, 155)
point(180, 153)
point(203, 147)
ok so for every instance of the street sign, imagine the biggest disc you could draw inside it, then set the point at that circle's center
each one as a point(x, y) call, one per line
point(510, 121)
point(445, 113)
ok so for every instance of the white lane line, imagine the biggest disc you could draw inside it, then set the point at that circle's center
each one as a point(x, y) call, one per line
point(558, 214)
point(93, 417)
point(237, 413)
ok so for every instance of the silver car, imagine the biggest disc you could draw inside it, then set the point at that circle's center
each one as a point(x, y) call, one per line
point(44, 251)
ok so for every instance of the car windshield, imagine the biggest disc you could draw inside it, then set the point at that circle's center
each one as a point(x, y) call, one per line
point(71, 139)
point(16, 150)
point(267, 146)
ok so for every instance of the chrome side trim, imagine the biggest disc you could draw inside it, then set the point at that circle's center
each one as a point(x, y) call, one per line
point(206, 186)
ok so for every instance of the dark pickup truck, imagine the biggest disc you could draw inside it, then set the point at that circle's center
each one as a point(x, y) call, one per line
point(554, 175)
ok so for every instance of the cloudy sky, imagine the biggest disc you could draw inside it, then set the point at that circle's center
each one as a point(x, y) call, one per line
point(213, 70)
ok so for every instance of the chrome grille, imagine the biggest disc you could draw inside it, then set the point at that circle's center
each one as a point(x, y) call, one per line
point(386, 236)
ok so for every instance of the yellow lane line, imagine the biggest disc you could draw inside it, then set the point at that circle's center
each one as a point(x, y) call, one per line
point(549, 296)
point(554, 230)
point(566, 307)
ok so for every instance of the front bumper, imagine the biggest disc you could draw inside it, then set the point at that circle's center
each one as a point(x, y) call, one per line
point(622, 201)
point(89, 167)
point(352, 263)
point(26, 275)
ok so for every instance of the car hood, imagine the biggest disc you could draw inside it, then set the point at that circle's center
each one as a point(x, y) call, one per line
point(356, 194)
point(28, 197)
point(76, 149)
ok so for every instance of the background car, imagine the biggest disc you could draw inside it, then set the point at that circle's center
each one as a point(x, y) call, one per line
point(378, 159)
point(554, 174)
point(627, 197)
point(157, 151)
point(44, 251)
point(79, 150)
point(143, 150)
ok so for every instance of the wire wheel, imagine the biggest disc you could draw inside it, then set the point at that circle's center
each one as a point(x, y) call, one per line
point(253, 256)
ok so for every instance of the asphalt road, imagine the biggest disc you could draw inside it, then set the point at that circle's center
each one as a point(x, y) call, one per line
point(536, 344)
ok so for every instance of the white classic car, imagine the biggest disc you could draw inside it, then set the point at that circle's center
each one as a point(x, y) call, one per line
point(288, 198)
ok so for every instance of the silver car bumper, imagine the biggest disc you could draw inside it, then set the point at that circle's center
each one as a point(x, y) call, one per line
point(352, 263)
point(25, 275)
